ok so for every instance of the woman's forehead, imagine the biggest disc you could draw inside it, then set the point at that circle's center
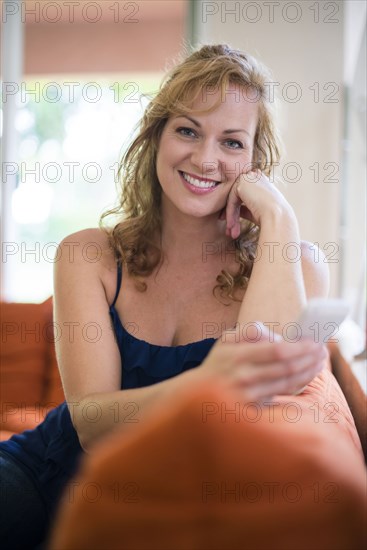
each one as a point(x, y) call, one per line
point(210, 97)
point(231, 101)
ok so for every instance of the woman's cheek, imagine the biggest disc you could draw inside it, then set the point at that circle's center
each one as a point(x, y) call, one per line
point(242, 166)
point(231, 173)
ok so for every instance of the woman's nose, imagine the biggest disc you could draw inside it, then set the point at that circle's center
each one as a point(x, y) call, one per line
point(205, 157)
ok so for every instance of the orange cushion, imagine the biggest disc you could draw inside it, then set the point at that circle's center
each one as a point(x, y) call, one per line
point(24, 357)
point(23, 352)
point(208, 472)
point(16, 419)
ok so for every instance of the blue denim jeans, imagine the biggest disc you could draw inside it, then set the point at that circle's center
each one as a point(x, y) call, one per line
point(24, 520)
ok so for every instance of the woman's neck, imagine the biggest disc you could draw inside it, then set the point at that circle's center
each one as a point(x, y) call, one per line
point(189, 238)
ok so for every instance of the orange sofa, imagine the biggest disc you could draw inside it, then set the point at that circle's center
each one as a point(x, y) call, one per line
point(29, 376)
point(206, 472)
point(293, 479)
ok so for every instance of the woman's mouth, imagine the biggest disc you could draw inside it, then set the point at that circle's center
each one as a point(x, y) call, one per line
point(199, 184)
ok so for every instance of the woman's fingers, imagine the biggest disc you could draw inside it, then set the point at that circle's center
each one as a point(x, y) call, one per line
point(285, 386)
point(233, 204)
point(258, 383)
point(233, 212)
point(264, 369)
point(236, 208)
point(292, 368)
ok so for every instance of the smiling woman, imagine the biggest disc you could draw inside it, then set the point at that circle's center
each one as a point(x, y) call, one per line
point(194, 118)
point(196, 208)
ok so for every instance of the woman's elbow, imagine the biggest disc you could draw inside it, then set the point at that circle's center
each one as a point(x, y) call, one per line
point(315, 270)
point(85, 429)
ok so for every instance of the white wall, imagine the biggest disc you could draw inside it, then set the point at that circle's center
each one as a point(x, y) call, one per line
point(308, 52)
point(354, 204)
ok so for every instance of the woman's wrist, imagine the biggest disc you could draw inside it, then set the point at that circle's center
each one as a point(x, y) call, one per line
point(278, 215)
point(279, 225)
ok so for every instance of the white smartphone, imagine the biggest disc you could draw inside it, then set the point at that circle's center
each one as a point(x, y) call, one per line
point(320, 321)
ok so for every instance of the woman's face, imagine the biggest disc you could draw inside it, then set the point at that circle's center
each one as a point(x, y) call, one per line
point(201, 155)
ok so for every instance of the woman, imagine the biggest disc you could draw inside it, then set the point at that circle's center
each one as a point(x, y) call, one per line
point(196, 208)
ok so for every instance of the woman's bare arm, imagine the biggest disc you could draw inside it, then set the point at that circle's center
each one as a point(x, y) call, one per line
point(275, 302)
point(286, 271)
point(276, 291)
point(88, 356)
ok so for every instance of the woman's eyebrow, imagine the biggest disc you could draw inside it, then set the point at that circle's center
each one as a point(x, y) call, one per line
point(196, 123)
point(237, 130)
point(191, 119)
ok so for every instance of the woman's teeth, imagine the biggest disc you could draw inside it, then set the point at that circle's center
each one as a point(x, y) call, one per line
point(198, 183)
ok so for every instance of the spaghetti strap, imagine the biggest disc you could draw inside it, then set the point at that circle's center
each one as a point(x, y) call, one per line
point(119, 279)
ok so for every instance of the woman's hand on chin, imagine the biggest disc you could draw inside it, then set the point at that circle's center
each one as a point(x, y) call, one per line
point(252, 197)
point(265, 365)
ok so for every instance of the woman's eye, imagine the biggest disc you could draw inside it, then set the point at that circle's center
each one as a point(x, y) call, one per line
point(186, 132)
point(234, 144)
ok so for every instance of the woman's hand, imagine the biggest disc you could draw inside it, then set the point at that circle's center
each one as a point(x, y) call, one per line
point(260, 370)
point(251, 197)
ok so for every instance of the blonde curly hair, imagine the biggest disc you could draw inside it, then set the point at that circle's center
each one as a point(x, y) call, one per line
point(133, 238)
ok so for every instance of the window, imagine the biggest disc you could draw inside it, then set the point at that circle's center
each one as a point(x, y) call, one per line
point(72, 134)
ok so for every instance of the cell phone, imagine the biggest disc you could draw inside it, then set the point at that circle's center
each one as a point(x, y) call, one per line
point(320, 320)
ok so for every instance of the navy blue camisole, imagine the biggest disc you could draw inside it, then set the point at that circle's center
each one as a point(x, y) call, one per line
point(51, 452)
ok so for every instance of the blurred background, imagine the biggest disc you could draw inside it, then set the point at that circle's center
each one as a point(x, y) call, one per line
point(77, 75)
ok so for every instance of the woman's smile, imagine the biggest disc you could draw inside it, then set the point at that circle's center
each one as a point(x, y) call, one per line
point(196, 184)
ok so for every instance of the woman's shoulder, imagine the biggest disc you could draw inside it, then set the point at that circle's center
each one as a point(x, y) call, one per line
point(87, 266)
point(88, 236)
point(88, 249)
